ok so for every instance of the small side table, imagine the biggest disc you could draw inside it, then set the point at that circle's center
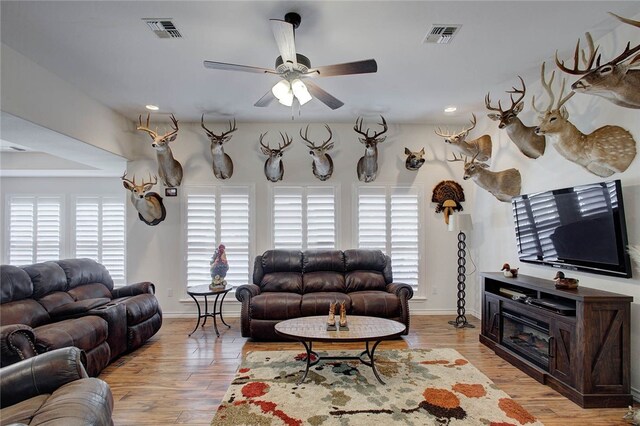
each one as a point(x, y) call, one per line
point(205, 291)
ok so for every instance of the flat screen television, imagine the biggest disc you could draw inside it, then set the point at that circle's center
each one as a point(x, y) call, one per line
point(579, 228)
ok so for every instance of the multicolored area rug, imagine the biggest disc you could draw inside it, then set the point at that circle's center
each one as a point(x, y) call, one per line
point(424, 387)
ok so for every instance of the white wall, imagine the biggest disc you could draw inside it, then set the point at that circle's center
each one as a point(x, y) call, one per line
point(494, 235)
point(156, 253)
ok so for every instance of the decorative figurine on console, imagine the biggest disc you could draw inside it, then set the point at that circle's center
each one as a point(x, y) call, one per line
point(509, 272)
point(565, 283)
point(331, 321)
point(343, 317)
point(632, 416)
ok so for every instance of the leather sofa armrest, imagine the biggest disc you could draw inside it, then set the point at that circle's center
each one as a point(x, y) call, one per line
point(17, 342)
point(399, 288)
point(247, 291)
point(41, 374)
point(244, 293)
point(134, 289)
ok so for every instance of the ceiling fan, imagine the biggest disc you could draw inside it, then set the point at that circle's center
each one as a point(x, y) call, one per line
point(293, 67)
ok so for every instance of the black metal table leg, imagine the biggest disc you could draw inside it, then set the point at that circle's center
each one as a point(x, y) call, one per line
point(206, 310)
point(199, 316)
point(215, 312)
point(221, 318)
point(373, 365)
point(308, 364)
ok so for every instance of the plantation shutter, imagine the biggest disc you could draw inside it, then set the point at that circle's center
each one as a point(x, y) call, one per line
point(596, 199)
point(542, 218)
point(372, 218)
point(201, 237)
point(100, 233)
point(287, 218)
point(235, 233)
point(35, 229)
point(321, 218)
point(405, 231)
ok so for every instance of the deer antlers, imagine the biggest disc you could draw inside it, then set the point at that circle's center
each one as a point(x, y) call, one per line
point(521, 92)
point(325, 145)
point(285, 138)
point(133, 182)
point(547, 87)
point(154, 135)
point(223, 136)
point(376, 136)
point(439, 131)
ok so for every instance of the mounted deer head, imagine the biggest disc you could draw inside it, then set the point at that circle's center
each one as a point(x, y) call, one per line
point(615, 81)
point(148, 204)
point(322, 162)
point(169, 168)
point(414, 160)
point(503, 185)
point(458, 142)
point(273, 167)
point(609, 149)
point(524, 137)
point(368, 164)
point(221, 164)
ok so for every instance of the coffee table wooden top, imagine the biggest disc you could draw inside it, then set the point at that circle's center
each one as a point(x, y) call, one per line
point(361, 329)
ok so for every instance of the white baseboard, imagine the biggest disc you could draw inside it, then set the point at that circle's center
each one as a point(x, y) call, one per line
point(635, 392)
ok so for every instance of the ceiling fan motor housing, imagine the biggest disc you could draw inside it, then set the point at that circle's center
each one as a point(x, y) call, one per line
point(293, 18)
point(304, 64)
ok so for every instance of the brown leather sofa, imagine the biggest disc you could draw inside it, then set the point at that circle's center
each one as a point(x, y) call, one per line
point(73, 303)
point(54, 389)
point(291, 284)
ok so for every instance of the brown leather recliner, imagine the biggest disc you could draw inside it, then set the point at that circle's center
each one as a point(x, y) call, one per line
point(73, 303)
point(54, 388)
point(291, 284)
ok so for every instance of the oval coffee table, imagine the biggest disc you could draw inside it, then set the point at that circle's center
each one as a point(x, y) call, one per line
point(307, 330)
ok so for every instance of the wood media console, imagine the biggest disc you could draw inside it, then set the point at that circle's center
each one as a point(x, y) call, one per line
point(575, 341)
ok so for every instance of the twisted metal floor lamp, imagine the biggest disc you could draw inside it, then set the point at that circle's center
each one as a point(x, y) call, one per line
point(461, 223)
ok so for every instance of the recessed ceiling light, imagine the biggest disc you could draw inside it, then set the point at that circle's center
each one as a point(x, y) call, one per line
point(450, 109)
point(152, 107)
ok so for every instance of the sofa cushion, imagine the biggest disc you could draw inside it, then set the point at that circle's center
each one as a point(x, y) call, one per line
point(318, 303)
point(139, 308)
point(85, 333)
point(47, 277)
point(90, 291)
point(23, 411)
point(281, 261)
point(16, 284)
point(85, 271)
point(276, 306)
point(79, 307)
point(368, 260)
point(313, 282)
point(364, 281)
point(54, 300)
point(290, 282)
point(322, 260)
point(375, 304)
point(26, 311)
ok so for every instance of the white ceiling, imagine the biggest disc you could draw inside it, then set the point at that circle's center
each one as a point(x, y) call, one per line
point(107, 51)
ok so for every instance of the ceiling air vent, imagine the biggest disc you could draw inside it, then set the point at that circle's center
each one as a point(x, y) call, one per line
point(163, 28)
point(441, 34)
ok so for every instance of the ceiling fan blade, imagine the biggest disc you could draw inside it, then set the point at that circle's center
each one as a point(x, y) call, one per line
point(265, 100)
point(233, 67)
point(322, 96)
point(285, 39)
point(358, 67)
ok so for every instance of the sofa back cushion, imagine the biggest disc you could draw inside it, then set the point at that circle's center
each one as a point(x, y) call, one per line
point(279, 270)
point(87, 279)
point(366, 270)
point(16, 284)
point(323, 271)
point(25, 311)
point(47, 277)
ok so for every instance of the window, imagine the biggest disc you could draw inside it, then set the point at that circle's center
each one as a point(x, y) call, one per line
point(100, 233)
point(389, 220)
point(219, 215)
point(304, 218)
point(35, 229)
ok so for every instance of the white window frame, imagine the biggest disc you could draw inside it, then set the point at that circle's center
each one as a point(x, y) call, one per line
point(388, 191)
point(304, 191)
point(216, 191)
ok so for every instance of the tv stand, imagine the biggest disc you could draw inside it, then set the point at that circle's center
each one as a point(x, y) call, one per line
point(576, 341)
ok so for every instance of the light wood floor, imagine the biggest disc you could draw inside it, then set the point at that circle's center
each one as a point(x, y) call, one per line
point(175, 379)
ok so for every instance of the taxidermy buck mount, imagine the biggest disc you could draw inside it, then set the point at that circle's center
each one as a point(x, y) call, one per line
point(414, 160)
point(615, 81)
point(504, 185)
point(368, 164)
point(322, 165)
point(605, 151)
point(524, 137)
point(221, 163)
point(148, 204)
point(480, 147)
point(273, 167)
point(169, 168)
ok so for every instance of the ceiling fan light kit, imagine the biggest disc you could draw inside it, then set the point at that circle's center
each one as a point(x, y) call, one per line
point(293, 67)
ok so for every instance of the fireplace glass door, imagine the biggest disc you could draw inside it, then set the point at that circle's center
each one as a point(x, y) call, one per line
point(526, 336)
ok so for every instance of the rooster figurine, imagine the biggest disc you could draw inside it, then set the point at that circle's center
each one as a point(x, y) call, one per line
point(508, 272)
point(219, 264)
point(565, 283)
